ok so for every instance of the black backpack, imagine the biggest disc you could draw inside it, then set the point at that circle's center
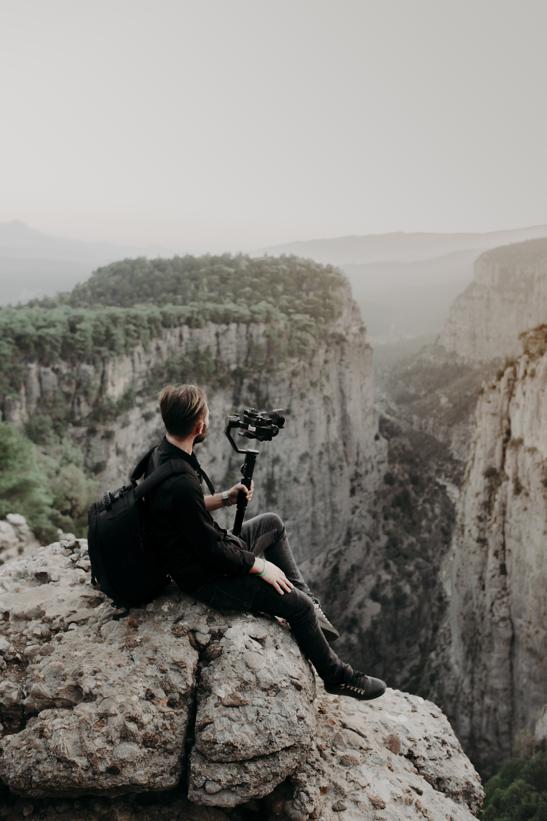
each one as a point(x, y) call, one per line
point(121, 566)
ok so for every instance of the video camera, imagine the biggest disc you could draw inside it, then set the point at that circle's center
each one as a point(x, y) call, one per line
point(255, 424)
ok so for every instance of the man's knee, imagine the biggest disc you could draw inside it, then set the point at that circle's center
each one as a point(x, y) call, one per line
point(273, 521)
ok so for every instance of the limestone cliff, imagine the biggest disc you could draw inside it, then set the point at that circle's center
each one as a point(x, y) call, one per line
point(435, 389)
point(507, 296)
point(330, 448)
point(183, 711)
point(490, 665)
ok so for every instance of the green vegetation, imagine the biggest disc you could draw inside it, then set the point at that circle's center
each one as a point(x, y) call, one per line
point(518, 792)
point(133, 301)
point(23, 489)
point(51, 490)
point(239, 287)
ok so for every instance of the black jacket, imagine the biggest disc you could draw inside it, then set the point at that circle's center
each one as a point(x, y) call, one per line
point(181, 532)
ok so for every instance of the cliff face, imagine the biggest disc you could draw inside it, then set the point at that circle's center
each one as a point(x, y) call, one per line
point(204, 713)
point(507, 296)
point(490, 666)
point(308, 474)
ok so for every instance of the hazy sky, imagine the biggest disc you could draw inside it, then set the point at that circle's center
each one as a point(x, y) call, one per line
point(232, 124)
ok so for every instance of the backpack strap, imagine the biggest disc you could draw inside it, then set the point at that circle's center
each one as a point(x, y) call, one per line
point(207, 480)
point(140, 467)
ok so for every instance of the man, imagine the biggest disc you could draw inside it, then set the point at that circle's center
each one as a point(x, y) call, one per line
point(256, 571)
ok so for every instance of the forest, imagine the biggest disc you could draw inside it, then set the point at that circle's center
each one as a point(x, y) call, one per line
point(132, 301)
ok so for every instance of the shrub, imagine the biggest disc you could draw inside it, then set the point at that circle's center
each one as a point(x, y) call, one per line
point(518, 791)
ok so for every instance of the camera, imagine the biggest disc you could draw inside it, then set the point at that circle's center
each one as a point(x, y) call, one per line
point(255, 424)
point(252, 424)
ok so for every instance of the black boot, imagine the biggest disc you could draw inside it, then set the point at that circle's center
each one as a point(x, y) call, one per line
point(357, 685)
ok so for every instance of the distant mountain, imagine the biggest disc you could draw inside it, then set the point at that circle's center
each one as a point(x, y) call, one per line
point(405, 283)
point(398, 245)
point(33, 264)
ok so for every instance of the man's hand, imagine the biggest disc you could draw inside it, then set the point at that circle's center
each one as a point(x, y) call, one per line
point(233, 492)
point(272, 574)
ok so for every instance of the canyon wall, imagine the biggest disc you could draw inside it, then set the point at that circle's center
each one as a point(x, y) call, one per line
point(508, 295)
point(490, 667)
point(330, 448)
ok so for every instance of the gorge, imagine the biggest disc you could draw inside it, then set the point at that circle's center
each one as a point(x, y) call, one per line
point(416, 507)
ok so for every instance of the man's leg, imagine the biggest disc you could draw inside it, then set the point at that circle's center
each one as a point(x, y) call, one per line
point(265, 535)
point(253, 594)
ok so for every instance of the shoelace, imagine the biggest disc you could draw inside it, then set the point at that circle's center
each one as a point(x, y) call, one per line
point(322, 613)
point(354, 688)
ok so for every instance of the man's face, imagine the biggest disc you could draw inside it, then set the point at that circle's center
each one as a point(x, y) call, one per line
point(201, 436)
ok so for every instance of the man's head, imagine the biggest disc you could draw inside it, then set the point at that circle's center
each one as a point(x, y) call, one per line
point(184, 411)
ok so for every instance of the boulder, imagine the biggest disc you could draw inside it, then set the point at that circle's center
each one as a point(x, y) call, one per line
point(15, 537)
point(179, 710)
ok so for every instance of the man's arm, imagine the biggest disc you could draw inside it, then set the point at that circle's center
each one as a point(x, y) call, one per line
point(215, 501)
point(205, 542)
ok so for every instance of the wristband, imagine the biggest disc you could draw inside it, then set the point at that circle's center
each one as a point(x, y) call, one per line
point(263, 569)
point(225, 496)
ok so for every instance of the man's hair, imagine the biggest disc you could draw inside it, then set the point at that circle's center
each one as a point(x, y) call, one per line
point(181, 407)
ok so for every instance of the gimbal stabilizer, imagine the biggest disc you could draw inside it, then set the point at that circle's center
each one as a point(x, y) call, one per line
point(253, 424)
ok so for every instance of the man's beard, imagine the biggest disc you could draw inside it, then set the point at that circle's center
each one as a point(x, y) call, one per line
point(201, 436)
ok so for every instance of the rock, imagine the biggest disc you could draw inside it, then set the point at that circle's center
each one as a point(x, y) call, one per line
point(350, 764)
point(266, 724)
point(15, 537)
point(107, 709)
point(113, 708)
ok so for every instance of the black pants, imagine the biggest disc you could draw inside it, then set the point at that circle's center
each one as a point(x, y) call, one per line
point(265, 534)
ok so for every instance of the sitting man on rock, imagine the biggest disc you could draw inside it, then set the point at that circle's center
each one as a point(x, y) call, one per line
point(256, 571)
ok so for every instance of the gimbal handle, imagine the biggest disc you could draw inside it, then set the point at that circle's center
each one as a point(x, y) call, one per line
point(247, 469)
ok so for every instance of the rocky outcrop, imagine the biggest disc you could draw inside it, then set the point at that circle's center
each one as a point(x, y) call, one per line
point(195, 709)
point(15, 537)
point(490, 667)
point(103, 705)
point(508, 295)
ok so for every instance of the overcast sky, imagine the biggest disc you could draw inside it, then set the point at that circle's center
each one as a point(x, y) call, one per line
point(232, 124)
